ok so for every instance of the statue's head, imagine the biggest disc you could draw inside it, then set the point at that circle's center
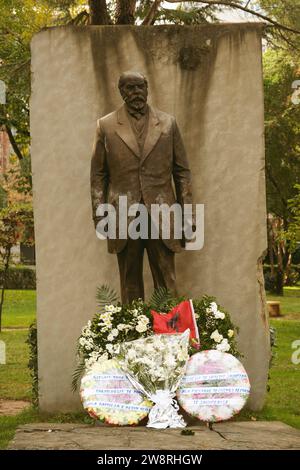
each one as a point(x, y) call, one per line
point(133, 87)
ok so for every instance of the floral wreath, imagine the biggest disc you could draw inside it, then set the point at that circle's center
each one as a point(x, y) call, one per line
point(115, 323)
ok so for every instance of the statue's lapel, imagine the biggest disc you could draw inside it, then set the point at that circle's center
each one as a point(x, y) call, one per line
point(153, 134)
point(125, 131)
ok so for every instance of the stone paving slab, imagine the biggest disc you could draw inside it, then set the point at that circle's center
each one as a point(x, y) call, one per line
point(259, 435)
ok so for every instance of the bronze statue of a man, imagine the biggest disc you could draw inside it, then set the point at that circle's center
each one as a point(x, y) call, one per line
point(137, 152)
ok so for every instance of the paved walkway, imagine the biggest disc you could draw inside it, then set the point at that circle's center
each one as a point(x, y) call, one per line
point(230, 435)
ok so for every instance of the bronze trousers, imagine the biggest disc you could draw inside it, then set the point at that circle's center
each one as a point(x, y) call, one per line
point(130, 260)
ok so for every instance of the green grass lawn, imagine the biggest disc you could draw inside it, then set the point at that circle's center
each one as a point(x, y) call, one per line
point(19, 308)
point(8, 424)
point(15, 381)
point(282, 403)
point(289, 303)
point(283, 400)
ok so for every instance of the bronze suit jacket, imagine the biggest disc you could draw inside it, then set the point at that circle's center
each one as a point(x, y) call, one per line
point(118, 168)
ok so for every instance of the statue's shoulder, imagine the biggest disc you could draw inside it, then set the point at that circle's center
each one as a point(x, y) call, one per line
point(108, 120)
point(162, 116)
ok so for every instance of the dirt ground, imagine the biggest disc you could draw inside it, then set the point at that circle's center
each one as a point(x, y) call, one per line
point(12, 407)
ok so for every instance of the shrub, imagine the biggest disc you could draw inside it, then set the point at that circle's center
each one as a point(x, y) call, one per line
point(33, 362)
point(20, 277)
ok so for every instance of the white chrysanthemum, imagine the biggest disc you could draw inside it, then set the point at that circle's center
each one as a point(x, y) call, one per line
point(110, 337)
point(86, 343)
point(110, 348)
point(131, 354)
point(115, 332)
point(219, 314)
point(110, 308)
point(170, 360)
point(230, 333)
point(94, 355)
point(213, 308)
point(87, 332)
point(149, 349)
point(224, 345)
point(107, 325)
point(157, 343)
point(141, 327)
point(160, 372)
point(93, 358)
point(98, 363)
point(143, 319)
point(216, 336)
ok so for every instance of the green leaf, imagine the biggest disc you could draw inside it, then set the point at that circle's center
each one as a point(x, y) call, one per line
point(106, 296)
point(77, 374)
point(161, 299)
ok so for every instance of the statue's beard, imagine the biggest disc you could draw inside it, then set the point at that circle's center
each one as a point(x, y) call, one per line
point(137, 102)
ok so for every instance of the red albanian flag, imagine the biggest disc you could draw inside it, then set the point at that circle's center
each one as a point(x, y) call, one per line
point(179, 319)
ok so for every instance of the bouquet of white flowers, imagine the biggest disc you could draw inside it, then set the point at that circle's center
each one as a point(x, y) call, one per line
point(155, 366)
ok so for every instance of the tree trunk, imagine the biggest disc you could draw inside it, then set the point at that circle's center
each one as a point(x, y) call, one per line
point(98, 12)
point(13, 142)
point(279, 282)
point(271, 246)
point(288, 271)
point(280, 271)
point(125, 11)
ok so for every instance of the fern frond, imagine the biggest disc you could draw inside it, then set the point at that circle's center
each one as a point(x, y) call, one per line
point(77, 374)
point(161, 299)
point(106, 296)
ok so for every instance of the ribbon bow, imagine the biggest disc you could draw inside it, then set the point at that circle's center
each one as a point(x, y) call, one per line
point(164, 413)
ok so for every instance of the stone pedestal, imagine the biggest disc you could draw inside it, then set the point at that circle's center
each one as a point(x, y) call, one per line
point(210, 78)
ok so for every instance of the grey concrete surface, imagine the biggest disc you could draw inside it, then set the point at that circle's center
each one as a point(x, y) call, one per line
point(258, 435)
